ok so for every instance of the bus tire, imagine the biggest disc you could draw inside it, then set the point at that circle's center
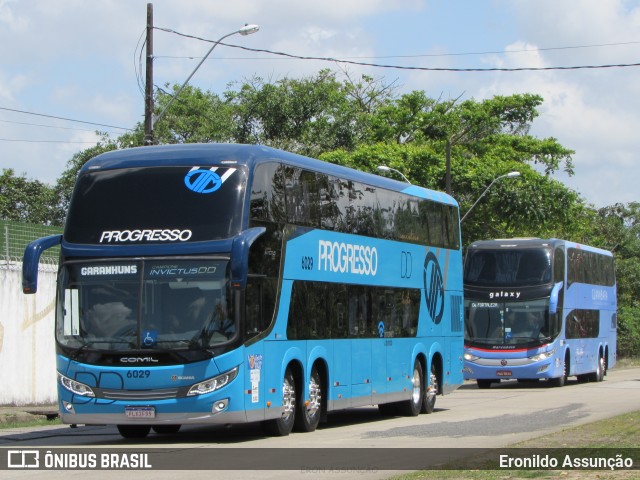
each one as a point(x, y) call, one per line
point(431, 392)
point(309, 413)
point(562, 380)
point(134, 431)
point(598, 375)
point(412, 407)
point(166, 429)
point(282, 426)
point(483, 383)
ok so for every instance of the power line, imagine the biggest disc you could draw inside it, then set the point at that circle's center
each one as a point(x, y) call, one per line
point(49, 126)
point(65, 119)
point(422, 55)
point(43, 141)
point(438, 69)
point(429, 69)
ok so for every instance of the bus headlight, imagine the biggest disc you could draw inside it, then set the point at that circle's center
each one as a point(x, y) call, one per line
point(214, 383)
point(542, 356)
point(470, 358)
point(75, 387)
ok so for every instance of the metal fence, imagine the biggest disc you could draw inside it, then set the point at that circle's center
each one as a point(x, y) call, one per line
point(14, 237)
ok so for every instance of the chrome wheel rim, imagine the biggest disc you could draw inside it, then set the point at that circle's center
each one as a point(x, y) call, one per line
point(288, 399)
point(315, 396)
point(415, 394)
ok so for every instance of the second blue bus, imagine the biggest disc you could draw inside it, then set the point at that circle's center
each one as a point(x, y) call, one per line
point(538, 309)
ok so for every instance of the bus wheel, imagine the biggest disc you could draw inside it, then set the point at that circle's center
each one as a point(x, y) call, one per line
point(484, 383)
point(561, 381)
point(282, 426)
point(598, 375)
point(309, 413)
point(166, 429)
point(429, 401)
point(412, 407)
point(134, 431)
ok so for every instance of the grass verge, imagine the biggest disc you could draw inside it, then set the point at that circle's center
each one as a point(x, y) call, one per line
point(37, 421)
point(612, 434)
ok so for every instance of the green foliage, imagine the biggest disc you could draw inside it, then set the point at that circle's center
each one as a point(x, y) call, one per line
point(628, 330)
point(195, 116)
point(25, 200)
point(65, 183)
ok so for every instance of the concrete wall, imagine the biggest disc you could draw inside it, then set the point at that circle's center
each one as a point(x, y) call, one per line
point(27, 345)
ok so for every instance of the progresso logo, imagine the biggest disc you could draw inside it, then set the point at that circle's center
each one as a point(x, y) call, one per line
point(201, 180)
point(433, 288)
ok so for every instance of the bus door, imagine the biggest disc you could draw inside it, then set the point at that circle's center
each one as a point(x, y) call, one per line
point(358, 317)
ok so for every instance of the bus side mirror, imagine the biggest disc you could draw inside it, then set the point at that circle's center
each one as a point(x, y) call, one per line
point(31, 258)
point(240, 255)
point(553, 298)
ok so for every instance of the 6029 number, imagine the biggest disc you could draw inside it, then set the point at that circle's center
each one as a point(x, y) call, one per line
point(307, 263)
point(138, 373)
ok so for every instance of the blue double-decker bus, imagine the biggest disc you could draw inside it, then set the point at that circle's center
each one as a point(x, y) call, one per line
point(538, 309)
point(217, 284)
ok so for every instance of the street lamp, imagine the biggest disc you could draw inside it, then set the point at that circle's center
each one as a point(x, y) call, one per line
point(506, 175)
point(384, 168)
point(246, 30)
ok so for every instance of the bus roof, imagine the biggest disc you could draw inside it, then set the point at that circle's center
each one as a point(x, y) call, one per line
point(191, 154)
point(531, 243)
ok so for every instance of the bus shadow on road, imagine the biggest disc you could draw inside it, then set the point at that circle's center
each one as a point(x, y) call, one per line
point(240, 433)
point(514, 384)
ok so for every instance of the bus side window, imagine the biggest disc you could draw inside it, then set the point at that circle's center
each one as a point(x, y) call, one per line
point(259, 306)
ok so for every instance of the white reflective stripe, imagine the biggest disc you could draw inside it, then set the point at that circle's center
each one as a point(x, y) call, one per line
point(227, 174)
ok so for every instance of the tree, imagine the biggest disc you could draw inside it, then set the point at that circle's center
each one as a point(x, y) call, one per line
point(195, 116)
point(25, 200)
point(64, 185)
point(307, 116)
point(531, 205)
point(617, 228)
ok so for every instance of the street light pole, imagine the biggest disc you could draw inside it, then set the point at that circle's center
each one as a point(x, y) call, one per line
point(384, 168)
point(507, 175)
point(246, 30)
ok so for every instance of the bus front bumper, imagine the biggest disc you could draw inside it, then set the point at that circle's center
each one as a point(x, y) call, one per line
point(518, 368)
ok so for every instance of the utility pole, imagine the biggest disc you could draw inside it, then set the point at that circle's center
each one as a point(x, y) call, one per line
point(148, 97)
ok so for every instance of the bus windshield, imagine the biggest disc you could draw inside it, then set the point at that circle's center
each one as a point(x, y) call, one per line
point(508, 267)
point(155, 205)
point(152, 304)
point(508, 323)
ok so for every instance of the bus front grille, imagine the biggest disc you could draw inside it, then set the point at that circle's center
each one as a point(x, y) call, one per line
point(160, 394)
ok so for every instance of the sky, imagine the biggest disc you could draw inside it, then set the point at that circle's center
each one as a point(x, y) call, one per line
point(80, 60)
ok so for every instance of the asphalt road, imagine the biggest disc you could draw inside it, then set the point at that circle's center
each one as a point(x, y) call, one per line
point(468, 418)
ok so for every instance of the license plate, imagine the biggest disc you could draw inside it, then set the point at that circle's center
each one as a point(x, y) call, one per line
point(140, 412)
point(503, 373)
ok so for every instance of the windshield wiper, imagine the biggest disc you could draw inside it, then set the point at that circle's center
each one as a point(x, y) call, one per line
point(84, 346)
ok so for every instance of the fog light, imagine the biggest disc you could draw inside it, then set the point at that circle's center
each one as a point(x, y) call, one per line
point(220, 405)
point(68, 407)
